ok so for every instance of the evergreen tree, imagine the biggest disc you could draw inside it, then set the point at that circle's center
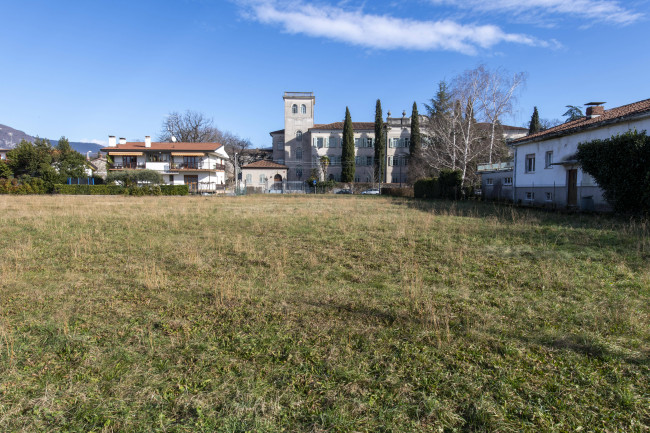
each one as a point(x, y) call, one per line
point(68, 161)
point(380, 150)
point(347, 156)
point(573, 113)
point(535, 125)
point(5, 171)
point(415, 145)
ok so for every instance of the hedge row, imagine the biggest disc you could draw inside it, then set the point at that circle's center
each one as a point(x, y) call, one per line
point(33, 185)
point(397, 191)
point(120, 190)
point(446, 185)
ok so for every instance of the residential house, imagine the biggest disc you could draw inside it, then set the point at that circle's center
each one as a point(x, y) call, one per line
point(199, 165)
point(3, 154)
point(546, 170)
point(264, 176)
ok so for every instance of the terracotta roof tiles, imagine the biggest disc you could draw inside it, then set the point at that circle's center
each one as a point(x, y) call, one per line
point(265, 164)
point(609, 116)
point(139, 147)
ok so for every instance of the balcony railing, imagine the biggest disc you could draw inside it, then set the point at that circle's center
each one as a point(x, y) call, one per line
point(496, 167)
point(195, 166)
point(127, 166)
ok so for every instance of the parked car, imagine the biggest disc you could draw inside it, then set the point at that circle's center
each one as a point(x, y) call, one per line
point(344, 191)
point(373, 191)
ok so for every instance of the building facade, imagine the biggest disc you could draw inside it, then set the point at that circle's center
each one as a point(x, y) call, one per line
point(264, 176)
point(199, 165)
point(302, 143)
point(546, 170)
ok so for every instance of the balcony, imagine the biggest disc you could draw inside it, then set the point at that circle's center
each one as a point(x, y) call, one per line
point(127, 166)
point(195, 166)
point(500, 166)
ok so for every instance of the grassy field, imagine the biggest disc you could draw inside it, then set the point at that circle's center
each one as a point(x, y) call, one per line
point(328, 313)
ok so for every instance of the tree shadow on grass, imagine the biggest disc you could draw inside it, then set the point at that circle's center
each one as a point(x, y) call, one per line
point(586, 346)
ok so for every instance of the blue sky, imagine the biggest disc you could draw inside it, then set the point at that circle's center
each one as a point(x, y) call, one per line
point(89, 69)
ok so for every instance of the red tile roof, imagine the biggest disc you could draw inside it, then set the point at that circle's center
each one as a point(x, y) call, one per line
point(139, 147)
point(357, 126)
point(265, 164)
point(613, 115)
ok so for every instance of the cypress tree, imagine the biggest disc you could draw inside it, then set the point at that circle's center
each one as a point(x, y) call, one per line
point(535, 125)
point(347, 156)
point(415, 145)
point(380, 154)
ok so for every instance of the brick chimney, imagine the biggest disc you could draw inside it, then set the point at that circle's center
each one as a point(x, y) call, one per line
point(147, 141)
point(594, 109)
point(111, 141)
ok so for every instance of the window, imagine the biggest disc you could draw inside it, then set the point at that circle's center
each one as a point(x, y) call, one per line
point(489, 181)
point(299, 153)
point(530, 196)
point(262, 178)
point(507, 181)
point(171, 179)
point(406, 142)
point(549, 159)
point(303, 109)
point(249, 178)
point(356, 142)
point(280, 144)
point(357, 160)
point(299, 136)
point(157, 157)
point(370, 142)
point(319, 142)
point(299, 172)
point(396, 179)
point(369, 160)
point(549, 196)
point(294, 109)
point(530, 163)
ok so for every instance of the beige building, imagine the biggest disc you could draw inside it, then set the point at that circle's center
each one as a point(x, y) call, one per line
point(264, 175)
point(302, 143)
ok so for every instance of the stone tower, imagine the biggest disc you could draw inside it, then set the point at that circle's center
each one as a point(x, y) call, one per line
point(298, 118)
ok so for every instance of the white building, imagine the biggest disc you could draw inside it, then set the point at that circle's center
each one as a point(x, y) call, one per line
point(546, 171)
point(199, 165)
point(301, 144)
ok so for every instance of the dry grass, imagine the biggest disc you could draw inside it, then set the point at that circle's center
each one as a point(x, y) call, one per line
point(319, 314)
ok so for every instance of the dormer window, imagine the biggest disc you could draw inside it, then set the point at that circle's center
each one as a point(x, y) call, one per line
point(303, 109)
point(294, 109)
point(299, 136)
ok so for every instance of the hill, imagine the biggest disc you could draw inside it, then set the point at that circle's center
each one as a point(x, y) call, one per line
point(10, 137)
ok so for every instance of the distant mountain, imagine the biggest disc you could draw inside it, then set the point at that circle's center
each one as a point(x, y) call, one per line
point(10, 137)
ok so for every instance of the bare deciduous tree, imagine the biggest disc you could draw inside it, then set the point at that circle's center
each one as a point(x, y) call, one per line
point(495, 97)
point(189, 127)
point(456, 141)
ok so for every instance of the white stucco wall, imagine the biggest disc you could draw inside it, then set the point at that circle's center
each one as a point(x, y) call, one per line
point(563, 147)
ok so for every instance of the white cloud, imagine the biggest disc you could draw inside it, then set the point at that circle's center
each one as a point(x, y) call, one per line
point(596, 10)
point(379, 31)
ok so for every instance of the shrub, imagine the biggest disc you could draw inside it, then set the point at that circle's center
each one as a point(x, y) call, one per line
point(446, 185)
point(621, 167)
point(120, 190)
point(397, 192)
point(24, 185)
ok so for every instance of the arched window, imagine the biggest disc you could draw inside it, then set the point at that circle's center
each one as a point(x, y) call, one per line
point(299, 136)
point(294, 109)
point(303, 109)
